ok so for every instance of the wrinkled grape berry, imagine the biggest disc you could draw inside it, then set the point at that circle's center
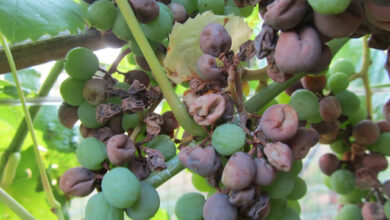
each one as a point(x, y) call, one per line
point(120, 149)
point(239, 171)
point(77, 181)
point(279, 155)
point(204, 161)
point(214, 39)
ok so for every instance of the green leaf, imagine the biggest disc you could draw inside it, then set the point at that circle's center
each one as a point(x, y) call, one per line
point(29, 78)
point(8, 90)
point(25, 19)
point(184, 51)
point(23, 189)
point(56, 136)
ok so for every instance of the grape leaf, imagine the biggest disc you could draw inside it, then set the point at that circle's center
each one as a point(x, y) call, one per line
point(56, 136)
point(184, 51)
point(29, 79)
point(25, 19)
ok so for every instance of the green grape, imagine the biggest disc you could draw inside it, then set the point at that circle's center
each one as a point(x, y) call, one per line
point(338, 82)
point(296, 168)
point(358, 116)
point(189, 5)
point(354, 197)
point(289, 214)
point(159, 28)
point(299, 190)
point(382, 144)
point(328, 7)
point(87, 115)
point(121, 30)
point(338, 146)
point(200, 183)
point(91, 153)
point(72, 91)
point(129, 121)
point(281, 187)
point(99, 209)
point(349, 212)
point(147, 204)
point(342, 181)
point(190, 206)
point(228, 139)
point(349, 102)
point(231, 7)
point(164, 144)
point(278, 206)
point(101, 14)
point(121, 187)
point(295, 206)
point(344, 66)
point(137, 51)
point(81, 63)
point(326, 181)
point(216, 6)
point(305, 103)
point(386, 207)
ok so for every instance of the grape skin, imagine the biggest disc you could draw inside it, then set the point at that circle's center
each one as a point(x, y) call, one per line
point(190, 206)
point(342, 181)
point(72, 91)
point(214, 39)
point(228, 139)
point(102, 14)
point(99, 209)
point(81, 63)
point(91, 153)
point(121, 188)
point(147, 205)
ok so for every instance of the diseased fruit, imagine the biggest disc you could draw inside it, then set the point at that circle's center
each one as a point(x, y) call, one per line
point(279, 122)
point(239, 171)
point(214, 39)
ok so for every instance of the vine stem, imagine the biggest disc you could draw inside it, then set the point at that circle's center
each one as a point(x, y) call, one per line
point(21, 132)
point(15, 206)
point(364, 75)
point(259, 74)
point(176, 105)
point(45, 180)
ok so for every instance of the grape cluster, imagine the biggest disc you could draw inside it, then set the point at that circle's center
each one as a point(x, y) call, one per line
point(111, 161)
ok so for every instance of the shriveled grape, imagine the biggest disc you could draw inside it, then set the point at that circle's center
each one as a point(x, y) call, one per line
point(214, 39)
point(120, 149)
point(279, 122)
point(239, 172)
point(303, 140)
point(373, 211)
point(77, 181)
point(94, 91)
point(285, 14)
point(330, 108)
point(67, 115)
point(145, 10)
point(279, 155)
point(329, 163)
point(265, 172)
point(207, 68)
point(204, 161)
point(366, 132)
point(217, 207)
point(179, 12)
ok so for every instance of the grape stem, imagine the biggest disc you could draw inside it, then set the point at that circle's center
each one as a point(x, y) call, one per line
point(45, 180)
point(15, 206)
point(365, 77)
point(258, 74)
point(118, 59)
point(21, 133)
point(176, 105)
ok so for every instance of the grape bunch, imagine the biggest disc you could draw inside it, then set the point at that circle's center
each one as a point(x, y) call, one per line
point(248, 163)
